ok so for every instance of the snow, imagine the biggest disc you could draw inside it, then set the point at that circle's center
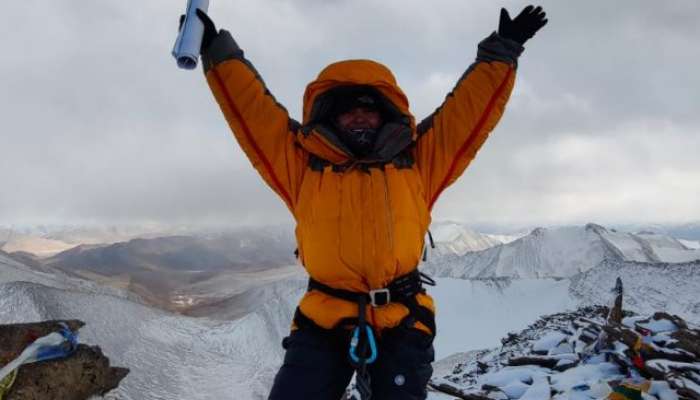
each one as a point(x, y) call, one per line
point(585, 374)
point(657, 326)
point(476, 314)
point(457, 239)
point(678, 256)
point(560, 252)
point(563, 348)
point(510, 369)
point(507, 375)
point(440, 396)
point(651, 247)
point(538, 390)
point(505, 238)
point(666, 365)
point(548, 341)
point(649, 287)
point(691, 244)
point(662, 390)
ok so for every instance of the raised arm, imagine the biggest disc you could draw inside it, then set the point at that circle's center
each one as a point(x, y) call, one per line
point(449, 138)
point(259, 123)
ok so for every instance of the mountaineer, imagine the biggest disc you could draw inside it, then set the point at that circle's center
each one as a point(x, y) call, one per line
point(360, 178)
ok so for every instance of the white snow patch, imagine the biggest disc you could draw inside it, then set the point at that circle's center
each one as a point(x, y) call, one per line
point(691, 244)
point(657, 326)
point(548, 341)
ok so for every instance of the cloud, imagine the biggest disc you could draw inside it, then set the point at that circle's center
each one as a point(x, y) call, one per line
point(98, 124)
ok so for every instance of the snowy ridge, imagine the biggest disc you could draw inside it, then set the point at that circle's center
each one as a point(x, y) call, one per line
point(649, 287)
point(649, 247)
point(455, 238)
point(14, 271)
point(560, 253)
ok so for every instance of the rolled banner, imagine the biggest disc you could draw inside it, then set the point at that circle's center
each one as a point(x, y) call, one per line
point(189, 39)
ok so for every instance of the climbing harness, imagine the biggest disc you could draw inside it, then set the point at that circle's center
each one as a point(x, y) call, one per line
point(363, 346)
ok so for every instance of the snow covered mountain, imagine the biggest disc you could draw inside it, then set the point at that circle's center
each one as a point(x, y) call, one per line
point(560, 253)
point(452, 238)
point(649, 287)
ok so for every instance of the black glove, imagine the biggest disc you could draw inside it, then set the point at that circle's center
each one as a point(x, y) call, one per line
point(524, 26)
point(209, 29)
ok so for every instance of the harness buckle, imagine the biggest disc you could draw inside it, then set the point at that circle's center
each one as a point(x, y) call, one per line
point(379, 297)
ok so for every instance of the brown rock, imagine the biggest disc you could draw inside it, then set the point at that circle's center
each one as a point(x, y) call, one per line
point(688, 340)
point(453, 391)
point(547, 362)
point(83, 374)
point(678, 321)
point(615, 315)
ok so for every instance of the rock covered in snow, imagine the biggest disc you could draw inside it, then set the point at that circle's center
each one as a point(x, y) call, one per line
point(581, 355)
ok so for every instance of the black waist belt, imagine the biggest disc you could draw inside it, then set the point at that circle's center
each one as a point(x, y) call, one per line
point(399, 290)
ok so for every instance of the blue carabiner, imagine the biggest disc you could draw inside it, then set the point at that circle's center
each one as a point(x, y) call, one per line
point(356, 340)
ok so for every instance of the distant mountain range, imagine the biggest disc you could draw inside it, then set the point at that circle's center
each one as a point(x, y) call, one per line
point(687, 231)
point(160, 270)
point(560, 253)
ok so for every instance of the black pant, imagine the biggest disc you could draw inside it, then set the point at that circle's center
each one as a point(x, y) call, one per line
point(316, 366)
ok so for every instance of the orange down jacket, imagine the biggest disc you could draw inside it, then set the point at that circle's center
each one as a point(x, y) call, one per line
point(360, 223)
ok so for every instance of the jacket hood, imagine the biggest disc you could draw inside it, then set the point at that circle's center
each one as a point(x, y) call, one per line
point(321, 141)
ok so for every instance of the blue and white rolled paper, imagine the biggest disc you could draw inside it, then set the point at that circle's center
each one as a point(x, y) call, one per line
point(189, 39)
point(52, 346)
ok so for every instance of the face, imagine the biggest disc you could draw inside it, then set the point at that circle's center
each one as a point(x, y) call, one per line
point(359, 118)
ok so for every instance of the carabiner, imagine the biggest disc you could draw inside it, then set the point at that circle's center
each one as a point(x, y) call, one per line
point(355, 341)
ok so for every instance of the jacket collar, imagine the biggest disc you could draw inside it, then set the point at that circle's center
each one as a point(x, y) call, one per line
point(322, 141)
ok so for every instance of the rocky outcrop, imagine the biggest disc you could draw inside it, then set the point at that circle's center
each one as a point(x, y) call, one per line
point(83, 374)
point(584, 353)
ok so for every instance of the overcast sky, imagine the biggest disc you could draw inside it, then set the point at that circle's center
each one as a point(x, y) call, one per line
point(98, 124)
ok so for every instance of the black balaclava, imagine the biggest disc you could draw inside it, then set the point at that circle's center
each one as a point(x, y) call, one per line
point(360, 141)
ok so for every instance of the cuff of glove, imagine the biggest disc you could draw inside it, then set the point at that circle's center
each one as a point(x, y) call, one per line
point(498, 48)
point(222, 48)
